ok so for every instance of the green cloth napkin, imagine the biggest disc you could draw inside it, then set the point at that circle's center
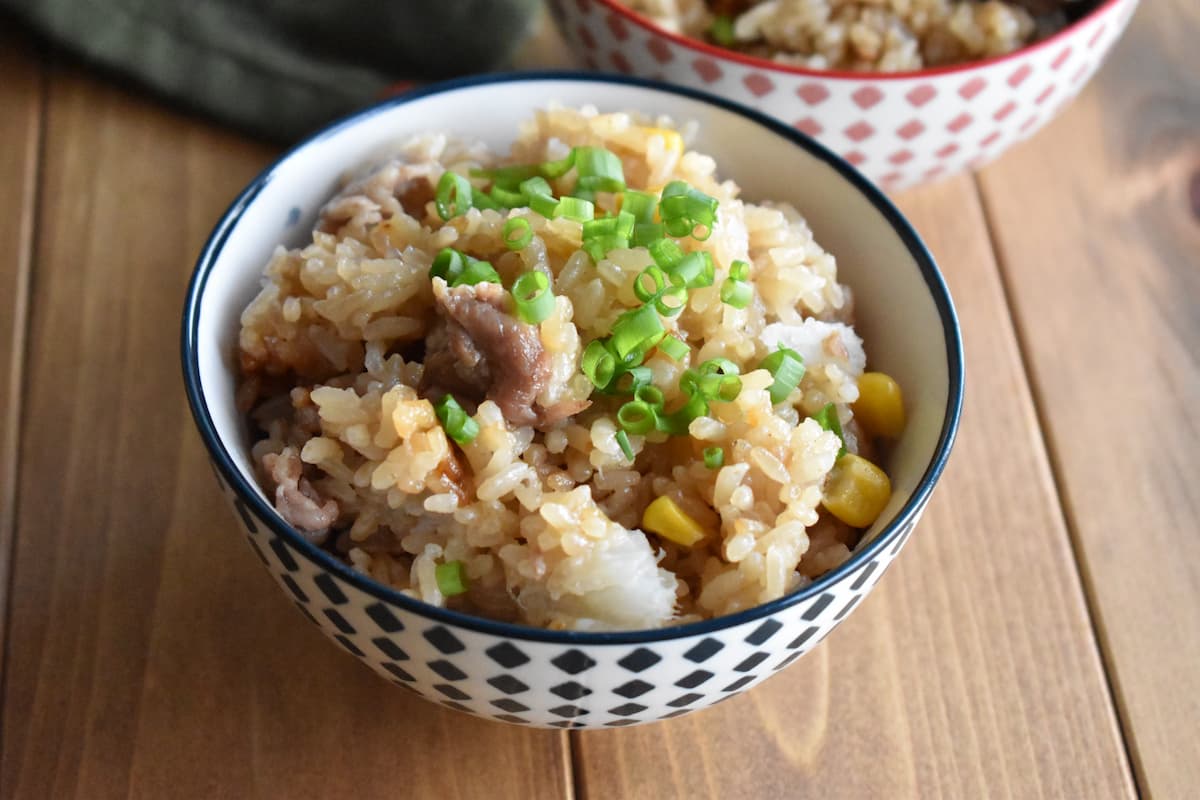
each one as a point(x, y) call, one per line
point(280, 68)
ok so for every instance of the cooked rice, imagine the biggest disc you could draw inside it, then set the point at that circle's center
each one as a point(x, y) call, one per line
point(865, 35)
point(546, 521)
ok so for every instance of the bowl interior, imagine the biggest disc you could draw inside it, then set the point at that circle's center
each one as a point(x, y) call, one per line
point(897, 290)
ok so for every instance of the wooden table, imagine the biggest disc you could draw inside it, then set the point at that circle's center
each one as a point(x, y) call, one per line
point(1040, 638)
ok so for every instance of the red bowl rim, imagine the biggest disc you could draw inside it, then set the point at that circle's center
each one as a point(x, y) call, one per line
point(700, 46)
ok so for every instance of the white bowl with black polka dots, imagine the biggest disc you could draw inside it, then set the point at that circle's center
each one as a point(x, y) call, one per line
point(563, 679)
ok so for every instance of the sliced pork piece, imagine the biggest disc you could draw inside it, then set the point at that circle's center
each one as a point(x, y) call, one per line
point(295, 498)
point(478, 350)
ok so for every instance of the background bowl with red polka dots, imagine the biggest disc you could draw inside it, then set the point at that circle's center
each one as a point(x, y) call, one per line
point(900, 129)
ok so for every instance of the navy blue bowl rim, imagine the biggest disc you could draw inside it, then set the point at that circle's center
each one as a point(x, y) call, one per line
point(327, 561)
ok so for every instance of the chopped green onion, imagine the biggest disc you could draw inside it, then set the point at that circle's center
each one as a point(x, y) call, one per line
point(787, 367)
point(721, 31)
point(674, 348)
point(482, 200)
point(599, 170)
point(556, 169)
point(623, 443)
point(666, 253)
point(714, 457)
point(533, 298)
point(506, 177)
point(641, 205)
point(575, 209)
point(685, 211)
point(536, 185)
point(676, 423)
point(827, 418)
point(636, 417)
point(447, 265)
point(736, 293)
point(638, 377)
point(540, 196)
point(694, 270)
point(457, 423)
point(646, 233)
point(739, 271)
point(718, 366)
point(584, 194)
point(476, 271)
point(451, 578)
point(620, 225)
point(600, 246)
point(729, 389)
point(634, 328)
point(671, 301)
point(649, 284)
point(506, 198)
point(517, 233)
point(651, 395)
point(453, 195)
point(598, 364)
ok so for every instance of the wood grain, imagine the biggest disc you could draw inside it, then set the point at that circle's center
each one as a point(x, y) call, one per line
point(149, 655)
point(1103, 266)
point(970, 672)
point(21, 97)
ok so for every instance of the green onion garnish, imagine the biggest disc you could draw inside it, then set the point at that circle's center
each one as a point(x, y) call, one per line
point(447, 265)
point(556, 169)
point(453, 195)
point(646, 233)
point(651, 395)
point(736, 293)
point(506, 198)
point(634, 330)
point(674, 348)
point(687, 211)
point(623, 443)
point(671, 301)
point(721, 31)
point(459, 269)
point(739, 271)
point(694, 270)
point(599, 170)
point(666, 253)
point(636, 417)
point(517, 233)
point(631, 380)
point(506, 177)
point(649, 284)
point(476, 271)
point(532, 296)
point(598, 364)
point(575, 209)
point(536, 186)
point(827, 418)
point(714, 457)
point(788, 368)
point(457, 423)
point(641, 205)
point(676, 423)
point(451, 578)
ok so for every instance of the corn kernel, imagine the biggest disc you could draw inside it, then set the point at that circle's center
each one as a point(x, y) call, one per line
point(880, 405)
point(856, 491)
point(671, 139)
point(665, 518)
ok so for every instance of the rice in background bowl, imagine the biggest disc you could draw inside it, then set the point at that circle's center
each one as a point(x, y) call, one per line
point(397, 635)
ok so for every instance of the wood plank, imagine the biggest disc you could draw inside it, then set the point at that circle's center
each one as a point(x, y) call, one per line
point(970, 672)
point(21, 99)
point(149, 655)
point(1103, 267)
